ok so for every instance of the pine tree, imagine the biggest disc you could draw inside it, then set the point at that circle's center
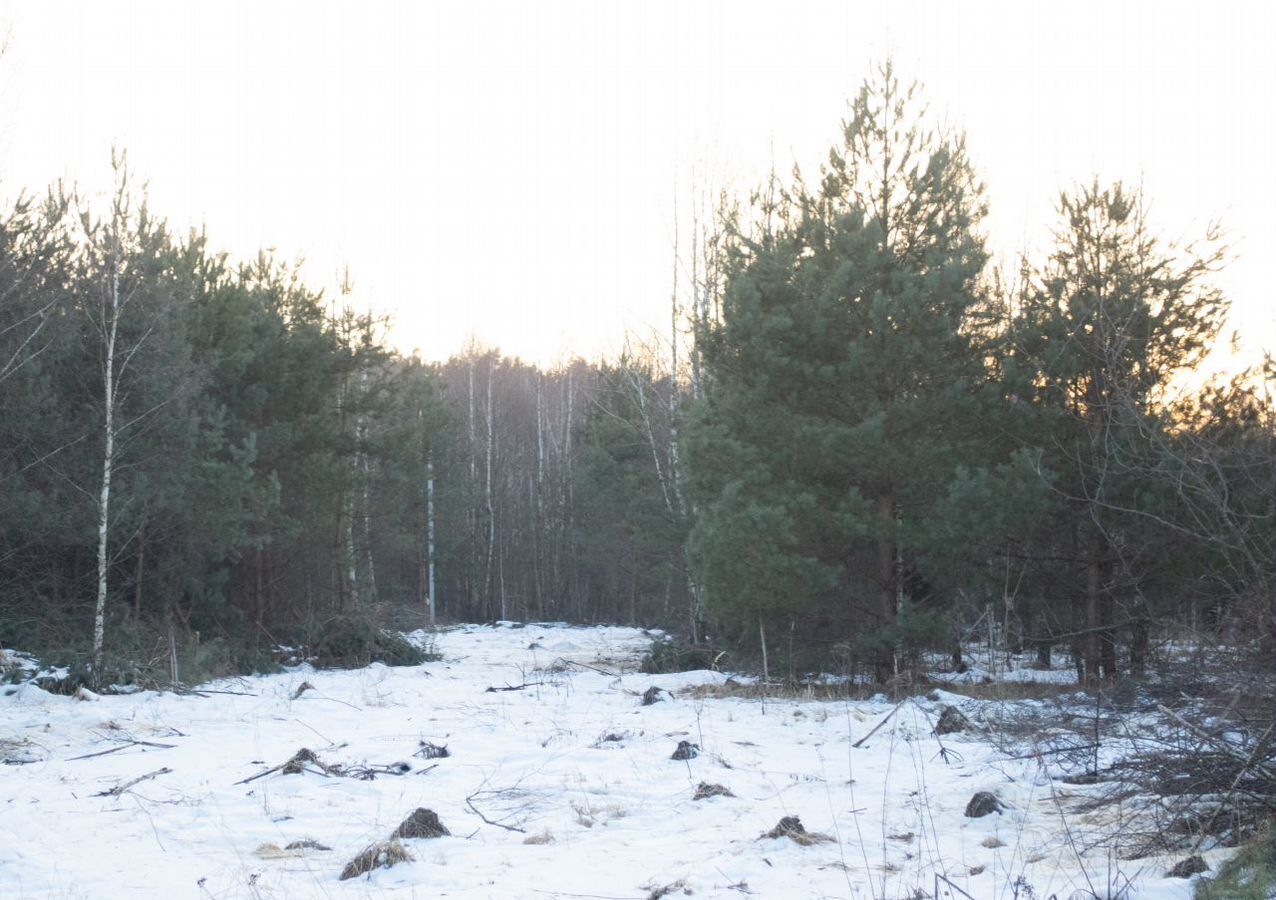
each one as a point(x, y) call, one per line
point(1102, 331)
point(843, 381)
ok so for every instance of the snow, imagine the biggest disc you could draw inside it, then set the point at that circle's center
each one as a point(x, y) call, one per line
point(569, 757)
point(980, 675)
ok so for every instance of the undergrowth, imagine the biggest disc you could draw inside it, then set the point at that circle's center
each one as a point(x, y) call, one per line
point(153, 654)
point(666, 655)
point(1249, 875)
point(353, 641)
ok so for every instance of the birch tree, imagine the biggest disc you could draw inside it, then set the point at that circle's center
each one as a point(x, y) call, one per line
point(114, 247)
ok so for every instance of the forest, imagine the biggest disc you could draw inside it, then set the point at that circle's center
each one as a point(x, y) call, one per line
point(857, 441)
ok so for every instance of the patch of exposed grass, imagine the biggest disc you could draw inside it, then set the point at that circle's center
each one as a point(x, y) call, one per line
point(780, 691)
point(1012, 690)
point(808, 690)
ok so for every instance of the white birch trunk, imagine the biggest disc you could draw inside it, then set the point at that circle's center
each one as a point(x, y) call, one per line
point(675, 479)
point(540, 535)
point(429, 535)
point(108, 458)
point(487, 493)
point(348, 510)
point(473, 439)
point(640, 398)
point(471, 510)
point(365, 473)
point(567, 439)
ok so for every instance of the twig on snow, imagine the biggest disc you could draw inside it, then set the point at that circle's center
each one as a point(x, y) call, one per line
point(878, 726)
point(331, 743)
point(1036, 753)
point(124, 746)
point(572, 662)
point(589, 896)
point(469, 801)
point(121, 788)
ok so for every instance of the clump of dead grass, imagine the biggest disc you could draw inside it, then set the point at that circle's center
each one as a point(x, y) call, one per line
point(381, 855)
point(1008, 690)
point(704, 790)
point(791, 827)
point(736, 690)
point(421, 823)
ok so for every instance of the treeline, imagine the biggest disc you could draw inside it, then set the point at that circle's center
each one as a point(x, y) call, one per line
point(186, 444)
point(857, 441)
point(897, 439)
point(202, 461)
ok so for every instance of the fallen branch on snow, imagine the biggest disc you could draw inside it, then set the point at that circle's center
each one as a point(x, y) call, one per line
point(469, 801)
point(124, 746)
point(121, 788)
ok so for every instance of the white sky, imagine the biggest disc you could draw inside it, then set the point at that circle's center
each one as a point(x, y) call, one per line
point(507, 169)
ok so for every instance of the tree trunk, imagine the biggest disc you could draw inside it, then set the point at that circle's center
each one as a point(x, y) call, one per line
point(1093, 589)
point(471, 507)
point(108, 462)
point(345, 515)
point(1268, 633)
point(540, 542)
point(429, 538)
point(259, 586)
point(1107, 637)
point(1044, 652)
point(139, 572)
point(888, 596)
point(1139, 646)
point(487, 498)
point(351, 575)
point(364, 470)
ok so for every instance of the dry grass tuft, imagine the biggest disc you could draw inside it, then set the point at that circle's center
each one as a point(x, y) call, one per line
point(679, 886)
point(422, 823)
point(297, 763)
point(791, 827)
point(704, 790)
point(1013, 690)
point(381, 855)
point(781, 691)
point(292, 851)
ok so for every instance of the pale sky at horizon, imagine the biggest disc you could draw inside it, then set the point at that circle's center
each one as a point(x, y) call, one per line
point(507, 170)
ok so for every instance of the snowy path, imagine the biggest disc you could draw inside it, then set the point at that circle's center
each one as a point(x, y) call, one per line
point(573, 761)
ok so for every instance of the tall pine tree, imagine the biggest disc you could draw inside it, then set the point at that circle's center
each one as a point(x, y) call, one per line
point(843, 384)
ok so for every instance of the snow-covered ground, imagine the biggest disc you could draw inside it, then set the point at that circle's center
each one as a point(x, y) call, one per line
point(561, 788)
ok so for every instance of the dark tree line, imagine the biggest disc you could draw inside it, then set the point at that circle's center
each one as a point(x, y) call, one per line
point(191, 447)
point(857, 440)
point(202, 460)
point(895, 443)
